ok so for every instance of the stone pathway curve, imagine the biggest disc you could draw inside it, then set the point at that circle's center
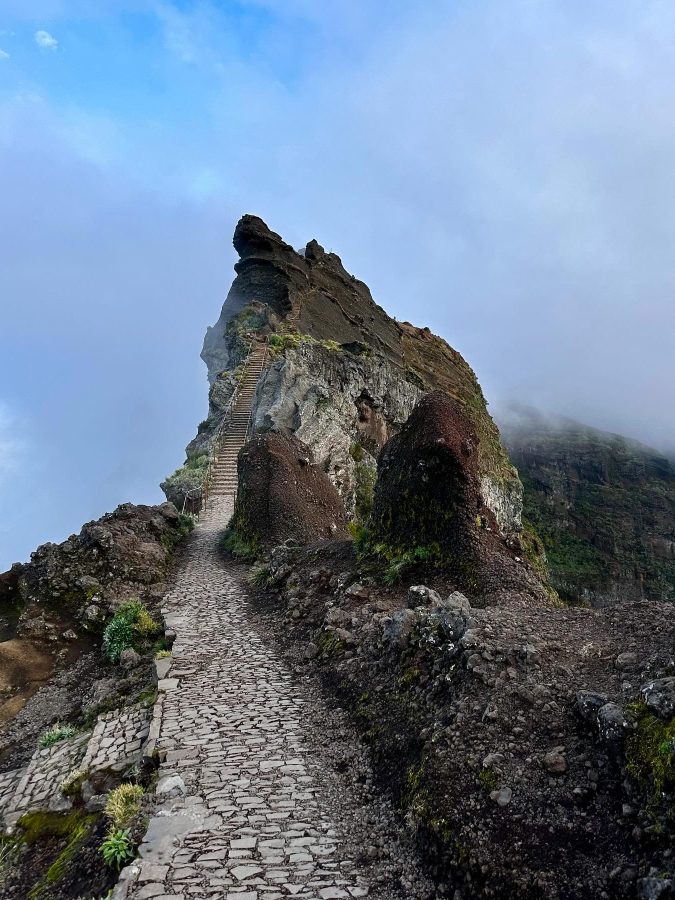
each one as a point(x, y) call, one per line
point(240, 813)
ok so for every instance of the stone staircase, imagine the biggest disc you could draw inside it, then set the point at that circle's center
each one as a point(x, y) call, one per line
point(223, 475)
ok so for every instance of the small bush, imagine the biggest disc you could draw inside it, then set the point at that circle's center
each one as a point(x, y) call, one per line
point(71, 784)
point(54, 734)
point(117, 848)
point(259, 576)
point(188, 480)
point(131, 626)
point(124, 804)
point(162, 654)
point(386, 562)
point(361, 536)
point(333, 346)
point(238, 546)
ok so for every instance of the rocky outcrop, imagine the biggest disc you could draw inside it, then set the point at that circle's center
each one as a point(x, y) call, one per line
point(532, 747)
point(80, 581)
point(344, 374)
point(343, 404)
point(54, 610)
point(428, 505)
point(428, 491)
point(283, 496)
point(603, 505)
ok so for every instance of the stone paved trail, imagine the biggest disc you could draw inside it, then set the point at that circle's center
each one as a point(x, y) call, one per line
point(240, 810)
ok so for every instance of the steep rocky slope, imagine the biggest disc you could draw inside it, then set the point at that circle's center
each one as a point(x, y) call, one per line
point(603, 505)
point(80, 626)
point(343, 376)
point(532, 745)
point(53, 611)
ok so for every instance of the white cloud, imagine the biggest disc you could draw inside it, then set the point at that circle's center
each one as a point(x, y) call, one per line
point(46, 40)
point(4, 54)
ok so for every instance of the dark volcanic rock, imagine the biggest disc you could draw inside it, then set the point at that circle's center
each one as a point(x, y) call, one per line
point(283, 496)
point(428, 501)
point(427, 492)
point(78, 583)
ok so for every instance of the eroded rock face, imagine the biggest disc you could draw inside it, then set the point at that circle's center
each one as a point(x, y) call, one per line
point(428, 492)
point(283, 495)
point(344, 405)
point(351, 377)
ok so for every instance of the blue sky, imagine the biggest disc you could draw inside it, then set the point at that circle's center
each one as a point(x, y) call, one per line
point(501, 172)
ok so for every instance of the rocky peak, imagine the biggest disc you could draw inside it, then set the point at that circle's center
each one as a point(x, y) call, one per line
point(344, 375)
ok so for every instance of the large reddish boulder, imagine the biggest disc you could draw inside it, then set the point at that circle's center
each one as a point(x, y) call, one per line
point(428, 502)
point(283, 495)
point(428, 490)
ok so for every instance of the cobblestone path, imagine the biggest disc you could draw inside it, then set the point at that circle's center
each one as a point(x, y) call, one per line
point(240, 812)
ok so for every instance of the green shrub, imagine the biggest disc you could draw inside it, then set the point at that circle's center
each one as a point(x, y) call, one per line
point(366, 476)
point(238, 546)
point(259, 576)
point(277, 343)
point(124, 804)
point(650, 752)
point(54, 734)
point(131, 627)
point(71, 784)
point(187, 481)
point(361, 536)
point(117, 848)
point(386, 562)
point(333, 346)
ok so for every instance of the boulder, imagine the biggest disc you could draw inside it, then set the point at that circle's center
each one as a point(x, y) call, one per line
point(129, 659)
point(588, 704)
point(660, 697)
point(421, 595)
point(427, 493)
point(611, 723)
point(282, 496)
point(428, 503)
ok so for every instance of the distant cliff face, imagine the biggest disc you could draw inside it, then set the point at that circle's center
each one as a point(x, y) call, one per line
point(344, 376)
point(603, 505)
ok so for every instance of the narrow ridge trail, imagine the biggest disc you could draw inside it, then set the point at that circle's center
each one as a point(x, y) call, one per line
point(240, 808)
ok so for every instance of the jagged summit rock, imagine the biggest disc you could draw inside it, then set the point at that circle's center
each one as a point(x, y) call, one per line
point(344, 375)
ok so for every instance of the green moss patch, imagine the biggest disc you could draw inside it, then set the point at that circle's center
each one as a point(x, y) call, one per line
point(650, 754)
point(68, 830)
point(238, 545)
